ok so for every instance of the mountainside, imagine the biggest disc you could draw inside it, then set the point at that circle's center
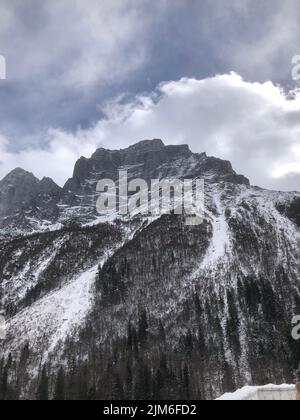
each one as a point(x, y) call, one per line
point(26, 203)
point(146, 307)
point(29, 205)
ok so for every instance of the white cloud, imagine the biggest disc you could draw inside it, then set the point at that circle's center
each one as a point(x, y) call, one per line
point(56, 161)
point(256, 126)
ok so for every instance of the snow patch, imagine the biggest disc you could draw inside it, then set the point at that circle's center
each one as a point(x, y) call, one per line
point(219, 241)
point(52, 318)
point(267, 392)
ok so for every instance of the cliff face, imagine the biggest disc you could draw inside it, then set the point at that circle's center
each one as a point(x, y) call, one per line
point(29, 205)
point(26, 203)
point(144, 307)
point(149, 160)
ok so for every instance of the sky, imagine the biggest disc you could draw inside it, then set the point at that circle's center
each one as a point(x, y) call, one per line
point(215, 74)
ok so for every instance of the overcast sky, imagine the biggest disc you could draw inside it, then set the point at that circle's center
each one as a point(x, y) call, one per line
point(215, 74)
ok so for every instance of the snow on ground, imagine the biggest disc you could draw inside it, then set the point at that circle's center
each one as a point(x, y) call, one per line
point(17, 285)
point(52, 318)
point(220, 234)
point(220, 241)
point(259, 393)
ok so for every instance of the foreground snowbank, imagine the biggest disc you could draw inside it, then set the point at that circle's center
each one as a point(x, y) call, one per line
point(260, 393)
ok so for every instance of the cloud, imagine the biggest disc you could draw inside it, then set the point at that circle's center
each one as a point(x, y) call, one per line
point(55, 161)
point(73, 43)
point(254, 125)
point(65, 57)
point(268, 54)
point(79, 43)
point(254, 38)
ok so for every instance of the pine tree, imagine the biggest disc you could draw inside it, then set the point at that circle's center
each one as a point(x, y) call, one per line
point(117, 388)
point(59, 392)
point(198, 308)
point(233, 323)
point(143, 328)
point(4, 383)
point(135, 343)
point(129, 336)
point(129, 383)
point(144, 379)
point(189, 345)
point(186, 383)
point(24, 355)
point(43, 387)
point(83, 383)
point(228, 378)
point(161, 332)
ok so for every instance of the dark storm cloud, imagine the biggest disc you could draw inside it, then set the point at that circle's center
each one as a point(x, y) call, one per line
point(66, 58)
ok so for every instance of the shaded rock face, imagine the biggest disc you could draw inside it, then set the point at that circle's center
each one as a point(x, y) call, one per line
point(161, 253)
point(28, 205)
point(146, 160)
point(291, 210)
point(149, 159)
point(16, 190)
point(23, 197)
point(172, 311)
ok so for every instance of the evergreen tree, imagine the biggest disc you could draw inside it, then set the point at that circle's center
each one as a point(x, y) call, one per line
point(186, 383)
point(129, 383)
point(43, 387)
point(129, 336)
point(59, 391)
point(117, 388)
point(143, 328)
point(198, 308)
point(24, 355)
point(4, 384)
point(83, 383)
point(189, 345)
point(161, 332)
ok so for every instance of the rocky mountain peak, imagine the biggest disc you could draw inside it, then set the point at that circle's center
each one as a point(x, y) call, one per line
point(150, 159)
point(18, 175)
point(146, 146)
point(23, 195)
point(17, 188)
point(47, 185)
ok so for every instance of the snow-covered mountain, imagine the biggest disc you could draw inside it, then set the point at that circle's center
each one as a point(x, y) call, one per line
point(147, 307)
point(28, 205)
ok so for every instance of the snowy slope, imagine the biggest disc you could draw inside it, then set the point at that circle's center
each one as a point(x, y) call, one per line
point(232, 281)
point(51, 319)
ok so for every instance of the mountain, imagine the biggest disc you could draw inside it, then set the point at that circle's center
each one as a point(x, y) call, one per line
point(27, 203)
point(147, 307)
point(149, 159)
